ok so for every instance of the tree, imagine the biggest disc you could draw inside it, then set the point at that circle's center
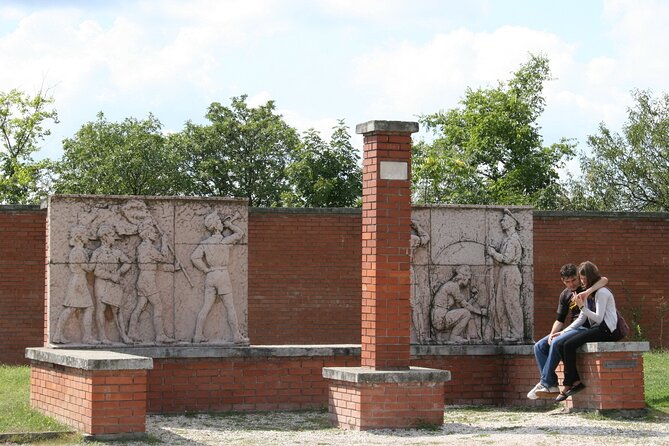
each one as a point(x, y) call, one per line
point(325, 175)
point(490, 150)
point(242, 153)
point(121, 158)
point(628, 172)
point(22, 127)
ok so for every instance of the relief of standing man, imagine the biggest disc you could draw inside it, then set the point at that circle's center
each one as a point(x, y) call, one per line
point(212, 257)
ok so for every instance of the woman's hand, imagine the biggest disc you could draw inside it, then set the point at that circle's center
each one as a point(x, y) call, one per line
point(553, 336)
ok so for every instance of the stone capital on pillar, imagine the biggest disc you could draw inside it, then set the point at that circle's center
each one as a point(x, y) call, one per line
point(386, 127)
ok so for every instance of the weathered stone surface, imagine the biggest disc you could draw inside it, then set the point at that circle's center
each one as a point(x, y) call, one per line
point(138, 269)
point(364, 375)
point(386, 126)
point(601, 347)
point(90, 359)
point(472, 282)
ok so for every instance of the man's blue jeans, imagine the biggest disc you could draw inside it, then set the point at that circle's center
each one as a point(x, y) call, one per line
point(548, 356)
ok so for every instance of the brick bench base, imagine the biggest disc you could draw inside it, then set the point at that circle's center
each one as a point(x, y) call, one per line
point(100, 393)
point(106, 393)
point(613, 375)
point(361, 398)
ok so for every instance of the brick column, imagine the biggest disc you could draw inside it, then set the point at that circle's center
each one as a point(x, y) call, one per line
point(386, 232)
point(385, 392)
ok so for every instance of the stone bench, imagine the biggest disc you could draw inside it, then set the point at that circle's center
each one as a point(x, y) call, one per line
point(613, 375)
point(501, 375)
point(100, 393)
point(108, 393)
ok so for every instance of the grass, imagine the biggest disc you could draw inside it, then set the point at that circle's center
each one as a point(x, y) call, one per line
point(16, 416)
point(656, 379)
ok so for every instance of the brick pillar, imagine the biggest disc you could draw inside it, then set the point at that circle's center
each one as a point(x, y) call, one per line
point(386, 232)
point(385, 392)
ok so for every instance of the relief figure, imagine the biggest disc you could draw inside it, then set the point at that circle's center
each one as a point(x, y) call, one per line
point(508, 317)
point(77, 295)
point(212, 257)
point(419, 303)
point(110, 264)
point(451, 311)
point(149, 259)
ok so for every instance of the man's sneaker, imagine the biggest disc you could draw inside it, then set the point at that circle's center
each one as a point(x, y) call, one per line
point(532, 394)
point(546, 392)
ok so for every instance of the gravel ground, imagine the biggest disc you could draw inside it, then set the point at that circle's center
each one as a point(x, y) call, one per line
point(462, 426)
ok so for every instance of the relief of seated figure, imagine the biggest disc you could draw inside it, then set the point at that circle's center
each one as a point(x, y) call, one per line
point(451, 311)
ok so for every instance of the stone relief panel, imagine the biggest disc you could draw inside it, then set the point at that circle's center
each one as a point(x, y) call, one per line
point(472, 280)
point(146, 270)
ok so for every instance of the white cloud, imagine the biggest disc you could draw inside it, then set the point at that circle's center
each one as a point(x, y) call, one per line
point(302, 123)
point(638, 29)
point(11, 13)
point(367, 9)
point(410, 78)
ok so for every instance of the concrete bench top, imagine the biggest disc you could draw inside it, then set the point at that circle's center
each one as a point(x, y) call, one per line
point(523, 349)
point(90, 359)
point(227, 351)
point(140, 357)
point(365, 375)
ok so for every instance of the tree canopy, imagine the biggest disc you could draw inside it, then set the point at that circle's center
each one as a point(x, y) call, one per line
point(628, 171)
point(122, 158)
point(244, 152)
point(325, 175)
point(22, 127)
point(490, 150)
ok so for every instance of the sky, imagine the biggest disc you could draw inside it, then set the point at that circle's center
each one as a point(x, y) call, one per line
point(324, 60)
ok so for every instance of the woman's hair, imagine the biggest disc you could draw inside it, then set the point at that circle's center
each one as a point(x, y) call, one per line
point(590, 271)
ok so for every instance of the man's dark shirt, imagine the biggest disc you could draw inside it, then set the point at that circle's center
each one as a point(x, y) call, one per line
point(563, 306)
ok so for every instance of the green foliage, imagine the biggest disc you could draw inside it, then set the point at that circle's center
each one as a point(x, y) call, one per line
point(121, 158)
point(656, 379)
point(490, 151)
point(22, 127)
point(628, 172)
point(242, 153)
point(325, 175)
point(15, 412)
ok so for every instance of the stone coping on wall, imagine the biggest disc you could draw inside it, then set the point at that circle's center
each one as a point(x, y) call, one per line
point(89, 359)
point(125, 357)
point(605, 347)
point(20, 207)
point(602, 214)
point(522, 349)
point(218, 351)
point(365, 375)
point(148, 197)
point(317, 211)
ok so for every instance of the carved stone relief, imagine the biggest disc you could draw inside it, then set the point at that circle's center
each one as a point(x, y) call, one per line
point(147, 270)
point(472, 279)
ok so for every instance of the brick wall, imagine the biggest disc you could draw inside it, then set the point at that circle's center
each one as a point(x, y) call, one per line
point(304, 276)
point(631, 249)
point(305, 272)
point(240, 384)
point(22, 271)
